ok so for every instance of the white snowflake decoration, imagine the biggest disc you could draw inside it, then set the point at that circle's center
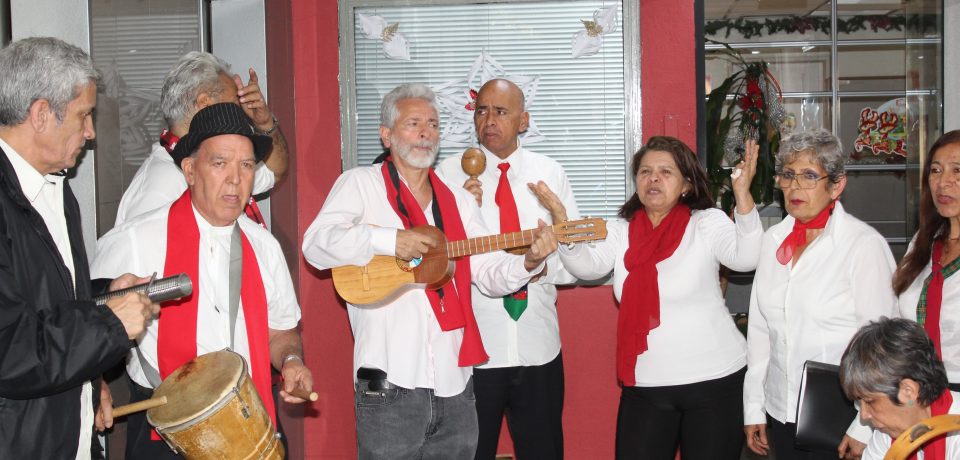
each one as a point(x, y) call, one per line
point(453, 99)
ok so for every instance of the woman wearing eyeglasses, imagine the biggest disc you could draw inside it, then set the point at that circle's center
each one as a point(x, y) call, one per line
point(822, 274)
point(925, 281)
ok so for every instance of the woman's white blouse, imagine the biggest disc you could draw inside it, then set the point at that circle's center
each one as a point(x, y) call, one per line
point(810, 310)
point(949, 317)
point(696, 339)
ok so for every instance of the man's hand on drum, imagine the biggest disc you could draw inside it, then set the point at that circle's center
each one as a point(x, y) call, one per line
point(295, 375)
point(134, 310)
point(104, 417)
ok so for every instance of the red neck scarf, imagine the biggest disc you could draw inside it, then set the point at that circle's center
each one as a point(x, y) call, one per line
point(798, 236)
point(451, 304)
point(177, 341)
point(936, 448)
point(640, 298)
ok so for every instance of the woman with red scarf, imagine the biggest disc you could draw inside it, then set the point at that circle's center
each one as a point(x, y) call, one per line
point(822, 274)
point(891, 367)
point(929, 293)
point(680, 359)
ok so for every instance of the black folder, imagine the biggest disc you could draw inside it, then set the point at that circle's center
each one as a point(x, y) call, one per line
point(824, 412)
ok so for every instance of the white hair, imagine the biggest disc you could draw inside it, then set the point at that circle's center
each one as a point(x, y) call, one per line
point(196, 72)
point(388, 108)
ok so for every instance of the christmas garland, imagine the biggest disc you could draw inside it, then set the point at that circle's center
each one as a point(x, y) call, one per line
point(750, 28)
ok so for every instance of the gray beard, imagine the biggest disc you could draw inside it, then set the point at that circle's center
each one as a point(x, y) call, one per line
point(418, 161)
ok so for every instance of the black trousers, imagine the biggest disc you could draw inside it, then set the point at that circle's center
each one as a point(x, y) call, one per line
point(703, 419)
point(139, 444)
point(532, 398)
point(782, 436)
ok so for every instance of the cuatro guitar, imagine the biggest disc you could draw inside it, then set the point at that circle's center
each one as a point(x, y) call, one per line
point(386, 277)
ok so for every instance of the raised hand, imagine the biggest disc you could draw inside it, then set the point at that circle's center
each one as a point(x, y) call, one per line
point(743, 175)
point(253, 103)
point(549, 200)
point(544, 243)
point(411, 244)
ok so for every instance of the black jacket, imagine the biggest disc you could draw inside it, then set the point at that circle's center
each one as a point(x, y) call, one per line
point(50, 342)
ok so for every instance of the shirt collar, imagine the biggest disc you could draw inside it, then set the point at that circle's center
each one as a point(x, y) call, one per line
point(836, 220)
point(31, 181)
point(513, 158)
point(208, 228)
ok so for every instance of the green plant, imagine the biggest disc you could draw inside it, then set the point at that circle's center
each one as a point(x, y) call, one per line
point(746, 105)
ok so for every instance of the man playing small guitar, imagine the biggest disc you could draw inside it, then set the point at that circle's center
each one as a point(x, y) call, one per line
point(413, 354)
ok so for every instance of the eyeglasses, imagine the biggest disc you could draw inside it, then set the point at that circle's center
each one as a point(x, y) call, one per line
point(805, 180)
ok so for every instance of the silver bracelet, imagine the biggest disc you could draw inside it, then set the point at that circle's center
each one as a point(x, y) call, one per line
point(269, 132)
point(291, 357)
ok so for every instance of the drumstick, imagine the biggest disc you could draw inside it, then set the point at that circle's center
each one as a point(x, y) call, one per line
point(120, 411)
point(304, 394)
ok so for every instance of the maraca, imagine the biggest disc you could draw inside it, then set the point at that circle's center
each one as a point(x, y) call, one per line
point(473, 162)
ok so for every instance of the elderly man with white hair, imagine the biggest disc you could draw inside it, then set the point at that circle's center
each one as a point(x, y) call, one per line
point(196, 81)
point(254, 313)
point(413, 355)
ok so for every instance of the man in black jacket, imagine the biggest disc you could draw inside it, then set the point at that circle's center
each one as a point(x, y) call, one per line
point(53, 342)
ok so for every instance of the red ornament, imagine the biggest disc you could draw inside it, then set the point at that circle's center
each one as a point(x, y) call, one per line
point(472, 103)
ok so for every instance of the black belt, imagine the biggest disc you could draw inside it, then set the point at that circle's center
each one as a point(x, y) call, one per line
point(954, 387)
point(377, 379)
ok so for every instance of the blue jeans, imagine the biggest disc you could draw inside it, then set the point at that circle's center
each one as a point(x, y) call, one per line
point(401, 423)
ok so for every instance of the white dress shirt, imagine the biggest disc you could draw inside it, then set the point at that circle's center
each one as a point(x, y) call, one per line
point(696, 339)
point(811, 309)
point(880, 442)
point(140, 247)
point(45, 193)
point(159, 181)
point(402, 338)
point(534, 339)
point(949, 316)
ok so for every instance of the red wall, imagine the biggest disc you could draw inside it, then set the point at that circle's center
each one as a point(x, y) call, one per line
point(302, 61)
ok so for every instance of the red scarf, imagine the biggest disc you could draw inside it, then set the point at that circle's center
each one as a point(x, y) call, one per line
point(935, 298)
point(640, 297)
point(455, 309)
point(798, 236)
point(177, 327)
point(936, 448)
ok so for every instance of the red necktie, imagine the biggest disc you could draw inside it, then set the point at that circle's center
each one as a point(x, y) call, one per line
point(514, 303)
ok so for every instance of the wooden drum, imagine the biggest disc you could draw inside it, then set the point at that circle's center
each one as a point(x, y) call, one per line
point(214, 411)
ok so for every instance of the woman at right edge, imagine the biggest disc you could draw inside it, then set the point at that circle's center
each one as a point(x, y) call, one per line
point(934, 301)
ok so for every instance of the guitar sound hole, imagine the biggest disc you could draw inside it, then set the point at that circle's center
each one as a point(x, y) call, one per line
point(408, 266)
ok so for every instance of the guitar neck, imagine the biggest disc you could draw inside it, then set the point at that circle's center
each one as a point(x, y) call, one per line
point(483, 244)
